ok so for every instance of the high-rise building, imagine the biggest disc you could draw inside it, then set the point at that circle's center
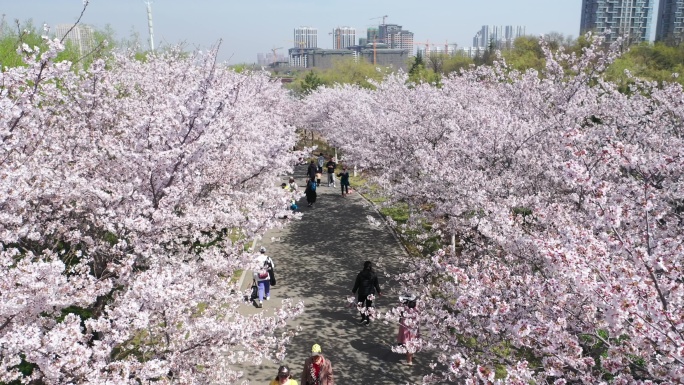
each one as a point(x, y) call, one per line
point(81, 36)
point(372, 35)
point(670, 25)
point(344, 37)
point(306, 37)
point(395, 37)
point(497, 36)
point(630, 19)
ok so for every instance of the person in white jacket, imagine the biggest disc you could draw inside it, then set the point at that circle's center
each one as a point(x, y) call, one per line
point(262, 275)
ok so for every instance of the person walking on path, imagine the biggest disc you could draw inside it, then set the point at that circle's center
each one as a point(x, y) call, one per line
point(344, 181)
point(321, 162)
point(319, 171)
point(366, 284)
point(310, 192)
point(283, 377)
point(317, 369)
point(408, 335)
point(262, 276)
point(331, 172)
point(311, 171)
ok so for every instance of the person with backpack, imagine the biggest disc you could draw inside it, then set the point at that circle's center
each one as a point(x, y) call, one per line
point(366, 284)
point(310, 192)
point(344, 181)
point(262, 275)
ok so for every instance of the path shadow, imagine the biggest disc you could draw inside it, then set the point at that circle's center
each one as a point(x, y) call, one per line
point(317, 259)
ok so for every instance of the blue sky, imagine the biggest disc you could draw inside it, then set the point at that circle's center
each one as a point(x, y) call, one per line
point(247, 27)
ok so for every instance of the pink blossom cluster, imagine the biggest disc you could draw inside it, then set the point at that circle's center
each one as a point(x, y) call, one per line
point(128, 193)
point(566, 196)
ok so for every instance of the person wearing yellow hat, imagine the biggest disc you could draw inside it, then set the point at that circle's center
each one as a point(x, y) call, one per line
point(283, 377)
point(317, 369)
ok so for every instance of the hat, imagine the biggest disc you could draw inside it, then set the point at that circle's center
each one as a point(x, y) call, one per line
point(316, 350)
point(283, 370)
point(262, 249)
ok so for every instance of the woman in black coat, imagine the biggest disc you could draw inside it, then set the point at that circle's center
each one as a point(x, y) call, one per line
point(311, 171)
point(310, 192)
point(366, 284)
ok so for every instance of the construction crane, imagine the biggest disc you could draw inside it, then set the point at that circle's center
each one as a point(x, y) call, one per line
point(375, 50)
point(298, 44)
point(375, 38)
point(336, 33)
point(455, 46)
point(380, 17)
point(427, 46)
point(275, 58)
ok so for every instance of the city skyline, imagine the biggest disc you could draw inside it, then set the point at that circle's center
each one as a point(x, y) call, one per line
point(270, 25)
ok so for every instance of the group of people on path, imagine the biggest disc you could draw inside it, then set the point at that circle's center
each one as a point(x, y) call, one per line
point(366, 286)
point(314, 173)
point(318, 369)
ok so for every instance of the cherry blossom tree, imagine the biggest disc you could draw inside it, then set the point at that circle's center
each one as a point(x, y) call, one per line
point(566, 196)
point(129, 193)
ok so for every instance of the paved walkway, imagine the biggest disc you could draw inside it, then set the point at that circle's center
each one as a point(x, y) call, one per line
point(317, 260)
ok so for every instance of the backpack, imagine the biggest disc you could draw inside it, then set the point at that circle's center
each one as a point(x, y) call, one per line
point(265, 269)
point(312, 186)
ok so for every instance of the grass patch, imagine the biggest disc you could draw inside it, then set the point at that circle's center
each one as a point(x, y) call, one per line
point(399, 212)
point(236, 276)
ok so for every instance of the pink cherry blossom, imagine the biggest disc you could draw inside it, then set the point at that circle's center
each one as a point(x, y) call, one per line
point(129, 192)
point(566, 197)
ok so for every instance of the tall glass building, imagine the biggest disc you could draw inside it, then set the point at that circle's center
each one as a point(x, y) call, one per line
point(630, 19)
point(670, 26)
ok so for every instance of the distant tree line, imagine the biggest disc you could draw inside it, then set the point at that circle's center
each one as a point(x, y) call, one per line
point(658, 62)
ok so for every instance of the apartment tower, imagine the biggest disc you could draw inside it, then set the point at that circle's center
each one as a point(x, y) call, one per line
point(630, 19)
point(395, 37)
point(497, 36)
point(343, 37)
point(306, 37)
point(670, 25)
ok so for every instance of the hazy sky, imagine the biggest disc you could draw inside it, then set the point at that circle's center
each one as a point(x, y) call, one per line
point(247, 27)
